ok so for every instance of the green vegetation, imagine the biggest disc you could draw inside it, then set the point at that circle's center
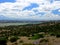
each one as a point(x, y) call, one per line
point(58, 35)
point(27, 44)
point(21, 41)
point(31, 30)
point(37, 36)
point(44, 40)
point(14, 38)
point(3, 40)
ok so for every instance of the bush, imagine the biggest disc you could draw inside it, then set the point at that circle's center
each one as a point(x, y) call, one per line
point(44, 40)
point(3, 40)
point(58, 35)
point(52, 34)
point(14, 38)
point(29, 38)
point(27, 44)
point(21, 41)
point(37, 36)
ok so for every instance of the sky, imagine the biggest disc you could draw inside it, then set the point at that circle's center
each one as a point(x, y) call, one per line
point(30, 9)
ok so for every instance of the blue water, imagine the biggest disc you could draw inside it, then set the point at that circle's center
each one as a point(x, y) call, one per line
point(8, 24)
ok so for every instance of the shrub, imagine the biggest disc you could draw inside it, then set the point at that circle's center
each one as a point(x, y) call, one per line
point(52, 34)
point(14, 38)
point(21, 41)
point(29, 38)
point(44, 40)
point(37, 36)
point(58, 35)
point(27, 44)
point(3, 40)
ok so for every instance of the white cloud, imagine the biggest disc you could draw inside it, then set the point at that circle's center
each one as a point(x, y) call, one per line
point(14, 10)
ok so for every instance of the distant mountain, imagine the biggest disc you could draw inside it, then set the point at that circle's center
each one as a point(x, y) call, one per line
point(3, 17)
point(7, 19)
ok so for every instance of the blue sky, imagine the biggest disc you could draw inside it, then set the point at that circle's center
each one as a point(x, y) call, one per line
point(51, 1)
point(32, 10)
point(56, 11)
point(31, 6)
point(2, 1)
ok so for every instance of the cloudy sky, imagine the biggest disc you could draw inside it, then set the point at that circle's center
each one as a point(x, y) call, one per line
point(30, 9)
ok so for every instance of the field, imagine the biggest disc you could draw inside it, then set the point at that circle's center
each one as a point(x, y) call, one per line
point(47, 33)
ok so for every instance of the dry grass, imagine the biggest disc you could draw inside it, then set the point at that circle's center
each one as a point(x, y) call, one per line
point(52, 41)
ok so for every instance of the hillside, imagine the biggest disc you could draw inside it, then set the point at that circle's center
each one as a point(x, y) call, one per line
point(47, 33)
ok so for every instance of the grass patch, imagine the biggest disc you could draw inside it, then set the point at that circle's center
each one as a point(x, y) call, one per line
point(28, 44)
point(37, 36)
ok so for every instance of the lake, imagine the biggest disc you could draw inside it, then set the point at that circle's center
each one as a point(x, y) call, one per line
point(8, 24)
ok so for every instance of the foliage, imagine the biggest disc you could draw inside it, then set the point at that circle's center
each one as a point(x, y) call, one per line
point(14, 38)
point(37, 36)
point(44, 40)
point(21, 41)
point(27, 44)
point(52, 28)
point(58, 35)
point(3, 40)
